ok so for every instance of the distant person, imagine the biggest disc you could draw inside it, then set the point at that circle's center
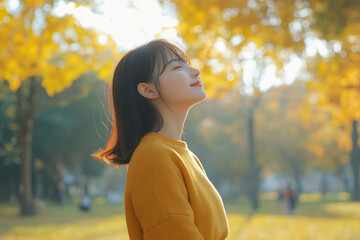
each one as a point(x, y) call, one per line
point(289, 200)
point(38, 205)
point(85, 203)
point(279, 194)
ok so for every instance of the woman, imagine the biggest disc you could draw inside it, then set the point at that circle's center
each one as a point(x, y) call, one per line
point(167, 192)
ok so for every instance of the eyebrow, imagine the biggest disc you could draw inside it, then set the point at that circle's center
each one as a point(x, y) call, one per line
point(172, 60)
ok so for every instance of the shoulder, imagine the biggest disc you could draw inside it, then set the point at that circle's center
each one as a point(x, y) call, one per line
point(197, 161)
point(151, 148)
point(153, 165)
point(151, 153)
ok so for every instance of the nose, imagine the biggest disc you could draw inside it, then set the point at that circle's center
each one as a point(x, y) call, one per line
point(196, 73)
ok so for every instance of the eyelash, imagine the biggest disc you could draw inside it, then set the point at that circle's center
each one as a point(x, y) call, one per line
point(181, 65)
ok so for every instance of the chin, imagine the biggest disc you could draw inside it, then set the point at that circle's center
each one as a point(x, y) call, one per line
point(203, 96)
point(199, 99)
point(193, 100)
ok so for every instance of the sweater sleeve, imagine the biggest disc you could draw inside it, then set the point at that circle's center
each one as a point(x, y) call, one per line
point(199, 163)
point(160, 201)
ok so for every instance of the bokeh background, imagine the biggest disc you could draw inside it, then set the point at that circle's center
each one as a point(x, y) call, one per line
point(282, 112)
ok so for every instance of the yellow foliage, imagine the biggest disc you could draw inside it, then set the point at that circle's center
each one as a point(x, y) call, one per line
point(273, 105)
point(298, 228)
point(203, 23)
point(108, 221)
point(318, 150)
point(344, 142)
point(106, 71)
point(344, 209)
point(54, 55)
point(38, 164)
point(10, 111)
point(322, 68)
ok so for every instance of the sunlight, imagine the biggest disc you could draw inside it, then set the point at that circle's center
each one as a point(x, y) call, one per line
point(129, 22)
point(134, 22)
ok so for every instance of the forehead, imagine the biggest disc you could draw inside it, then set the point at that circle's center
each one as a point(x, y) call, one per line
point(166, 56)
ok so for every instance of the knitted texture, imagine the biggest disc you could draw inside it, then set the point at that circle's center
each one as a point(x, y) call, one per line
point(169, 196)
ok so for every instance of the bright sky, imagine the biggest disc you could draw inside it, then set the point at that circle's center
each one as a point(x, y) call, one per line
point(129, 22)
point(133, 22)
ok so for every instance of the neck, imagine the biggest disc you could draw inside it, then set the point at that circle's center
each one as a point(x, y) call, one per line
point(173, 123)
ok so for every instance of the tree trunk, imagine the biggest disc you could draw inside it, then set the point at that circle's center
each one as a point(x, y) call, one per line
point(324, 186)
point(298, 186)
point(253, 180)
point(355, 162)
point(26, 106)
point(340, 172)
point(60, 184)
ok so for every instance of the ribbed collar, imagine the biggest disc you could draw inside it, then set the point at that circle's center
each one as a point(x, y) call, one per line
point(167, 140)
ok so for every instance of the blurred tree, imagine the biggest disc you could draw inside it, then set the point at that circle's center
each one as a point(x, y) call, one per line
point(65, 134)
point(215, 133)
point(328, 141)
point(42, 50)
point(284, 135)
point(218, 32)
point(335, 71)
point(9, 150)
point(226, 37)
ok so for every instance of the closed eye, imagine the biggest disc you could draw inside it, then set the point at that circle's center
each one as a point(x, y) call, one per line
point(177, 67)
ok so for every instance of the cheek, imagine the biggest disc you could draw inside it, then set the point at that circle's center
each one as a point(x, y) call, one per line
point(175, 86)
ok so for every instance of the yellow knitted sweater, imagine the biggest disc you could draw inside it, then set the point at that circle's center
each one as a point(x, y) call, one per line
point(169, 196)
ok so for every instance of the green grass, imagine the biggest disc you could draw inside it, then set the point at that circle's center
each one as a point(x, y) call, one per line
point(316, 218)
point(311, 205)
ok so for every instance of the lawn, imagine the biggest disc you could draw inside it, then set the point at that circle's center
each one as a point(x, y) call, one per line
point(331, 218)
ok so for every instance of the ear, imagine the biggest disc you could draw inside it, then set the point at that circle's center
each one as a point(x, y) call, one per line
point(147, 90)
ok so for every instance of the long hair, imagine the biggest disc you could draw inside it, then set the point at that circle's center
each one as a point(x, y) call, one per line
point(133, 115)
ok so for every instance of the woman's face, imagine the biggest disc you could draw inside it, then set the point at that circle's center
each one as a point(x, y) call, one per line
point(176, 84)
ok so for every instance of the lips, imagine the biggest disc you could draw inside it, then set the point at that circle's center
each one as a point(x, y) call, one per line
point(196, 84)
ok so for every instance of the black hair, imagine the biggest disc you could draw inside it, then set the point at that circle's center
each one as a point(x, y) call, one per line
point(133, 115)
